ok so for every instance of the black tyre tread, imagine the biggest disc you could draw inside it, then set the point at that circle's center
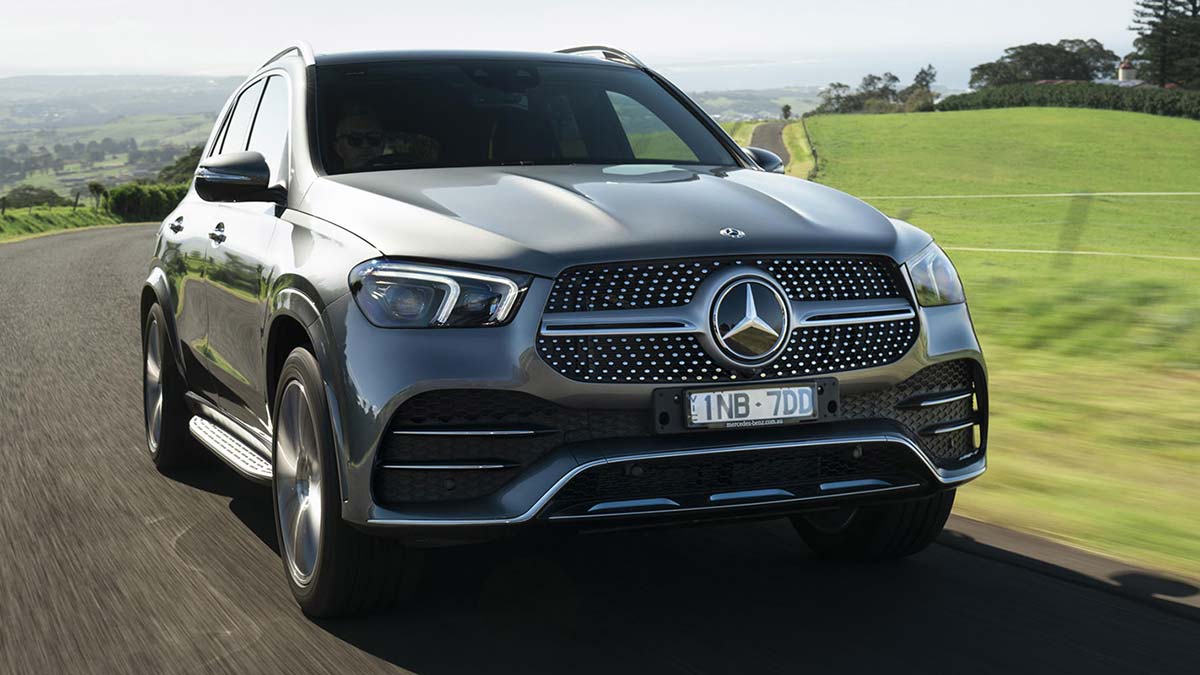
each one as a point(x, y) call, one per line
point(357, 573)
point(883, 532)
point(176, 448)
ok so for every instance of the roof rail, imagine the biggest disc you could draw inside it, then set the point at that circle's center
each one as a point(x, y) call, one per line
point(302, 48)
point(609, 53)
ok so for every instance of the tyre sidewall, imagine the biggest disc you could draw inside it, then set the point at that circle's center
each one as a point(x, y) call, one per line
point(302, 366)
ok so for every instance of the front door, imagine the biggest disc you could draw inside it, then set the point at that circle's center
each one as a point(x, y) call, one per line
point(238, 278)
point(241, 265)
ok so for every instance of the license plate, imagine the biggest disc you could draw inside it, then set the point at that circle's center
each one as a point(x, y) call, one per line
point(757, 407)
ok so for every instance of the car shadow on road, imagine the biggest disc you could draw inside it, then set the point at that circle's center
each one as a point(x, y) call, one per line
point(746, 597)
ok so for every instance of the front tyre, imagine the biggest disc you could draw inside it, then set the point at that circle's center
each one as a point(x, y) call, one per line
point(331, 568)
point(166, 414)
point(883, 532)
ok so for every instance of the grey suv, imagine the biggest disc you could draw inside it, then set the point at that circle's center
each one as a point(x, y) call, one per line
point(439, 297)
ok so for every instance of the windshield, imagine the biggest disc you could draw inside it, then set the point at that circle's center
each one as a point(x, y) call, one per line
point(396, 115)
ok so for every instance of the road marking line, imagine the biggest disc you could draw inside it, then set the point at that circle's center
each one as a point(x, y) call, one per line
point(1048, 195)
point(1051, 252)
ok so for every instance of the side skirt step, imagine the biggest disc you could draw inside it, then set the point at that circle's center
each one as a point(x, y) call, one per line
point(233, 452)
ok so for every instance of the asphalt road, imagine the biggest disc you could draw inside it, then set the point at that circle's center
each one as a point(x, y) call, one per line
point(769, 136)
point(108, 566)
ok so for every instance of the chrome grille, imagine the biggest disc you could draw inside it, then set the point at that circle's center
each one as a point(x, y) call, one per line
point(680, 358)
point(671, 283)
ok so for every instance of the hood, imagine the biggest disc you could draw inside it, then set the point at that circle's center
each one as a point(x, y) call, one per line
point(542, 219)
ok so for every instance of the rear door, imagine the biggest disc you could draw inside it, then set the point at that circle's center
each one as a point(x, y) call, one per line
point(240, 267)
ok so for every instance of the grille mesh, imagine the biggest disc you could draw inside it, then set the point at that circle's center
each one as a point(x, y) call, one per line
point(680, 358)
point(597, 288)
point(944, 449)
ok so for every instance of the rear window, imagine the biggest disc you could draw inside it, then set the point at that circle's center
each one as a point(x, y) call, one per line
point(397, 115)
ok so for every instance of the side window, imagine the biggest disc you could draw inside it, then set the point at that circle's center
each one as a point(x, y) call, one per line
point(270, 133)
point(238, 127)
point(649, 136)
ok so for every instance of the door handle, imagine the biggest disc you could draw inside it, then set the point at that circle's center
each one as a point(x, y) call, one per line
point(218, 233)
point(177, 226)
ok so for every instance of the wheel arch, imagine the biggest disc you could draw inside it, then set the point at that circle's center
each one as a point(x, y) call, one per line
point(295, 321)
point(156, 291)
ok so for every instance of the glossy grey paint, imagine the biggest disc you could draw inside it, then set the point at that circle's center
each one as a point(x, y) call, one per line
point(290, 264)
point(543, 219)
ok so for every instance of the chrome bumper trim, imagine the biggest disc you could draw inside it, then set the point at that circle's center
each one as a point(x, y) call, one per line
point(942, 476)
point(720, 507)
point(948, 428)
point(447, 467)
point(472, 432)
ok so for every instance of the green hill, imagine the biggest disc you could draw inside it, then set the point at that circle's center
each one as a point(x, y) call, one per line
point(1088, 306)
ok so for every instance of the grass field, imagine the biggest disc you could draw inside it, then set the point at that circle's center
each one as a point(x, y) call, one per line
point(740, 131)
point(21, 223)
point(1094, 359)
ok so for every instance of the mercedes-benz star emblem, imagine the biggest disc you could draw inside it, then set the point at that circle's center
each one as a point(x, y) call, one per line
point(750, 321)
point(732, 233)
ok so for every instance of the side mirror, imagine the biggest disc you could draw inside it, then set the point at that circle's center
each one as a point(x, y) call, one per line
point(237, 177)
point(766, 159)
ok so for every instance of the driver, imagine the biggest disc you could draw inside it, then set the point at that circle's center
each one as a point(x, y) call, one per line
point(358, 138)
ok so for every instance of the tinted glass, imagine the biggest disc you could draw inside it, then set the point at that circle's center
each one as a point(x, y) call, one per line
point(270, 133)
point(649, 137)
point(498, 112)
point(234, 139)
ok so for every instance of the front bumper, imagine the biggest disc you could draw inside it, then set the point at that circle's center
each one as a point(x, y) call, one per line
point(371, 373)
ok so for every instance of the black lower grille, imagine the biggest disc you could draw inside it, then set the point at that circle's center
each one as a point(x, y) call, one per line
point(467, 409)
point(946, 450)
point(704, 475)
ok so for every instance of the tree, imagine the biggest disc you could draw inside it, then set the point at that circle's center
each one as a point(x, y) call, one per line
point(28, 195)
point(181, 170)
point(97, 190)
point(1154, 22)
point(925, 77)
point(833, 98)
point(1101, 62)
point(1067, 60)
point(786, 111)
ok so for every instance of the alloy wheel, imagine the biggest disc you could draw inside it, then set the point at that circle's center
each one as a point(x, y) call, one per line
point(298, 483)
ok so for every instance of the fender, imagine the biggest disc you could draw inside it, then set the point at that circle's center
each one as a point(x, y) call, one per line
point(291, 300)
point(157, 283)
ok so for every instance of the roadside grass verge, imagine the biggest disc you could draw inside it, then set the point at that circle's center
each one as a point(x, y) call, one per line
point(801, 164)
point(24, 222)
point(741, 131)
point(1094, 361)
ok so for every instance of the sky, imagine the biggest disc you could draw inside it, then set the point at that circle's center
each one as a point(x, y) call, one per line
point(698, 44)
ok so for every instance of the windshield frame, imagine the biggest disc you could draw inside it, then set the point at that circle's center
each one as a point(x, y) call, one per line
point(736, 155)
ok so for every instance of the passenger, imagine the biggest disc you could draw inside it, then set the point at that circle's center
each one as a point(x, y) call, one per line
point(358, 139)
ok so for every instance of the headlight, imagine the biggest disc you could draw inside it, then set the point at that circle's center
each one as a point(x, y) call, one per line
point(402, 295)
point(934, 278)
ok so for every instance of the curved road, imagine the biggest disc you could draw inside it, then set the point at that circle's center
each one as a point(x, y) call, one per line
point(108, 566)
point(769, 136)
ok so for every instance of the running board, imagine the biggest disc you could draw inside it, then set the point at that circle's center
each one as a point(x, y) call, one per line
point(239, 456)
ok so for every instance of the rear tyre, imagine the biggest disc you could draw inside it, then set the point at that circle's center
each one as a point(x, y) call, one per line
point(331, 568)
point(166, 414)
point(883, 532)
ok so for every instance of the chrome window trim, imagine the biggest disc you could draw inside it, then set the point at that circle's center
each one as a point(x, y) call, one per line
point(942, 476)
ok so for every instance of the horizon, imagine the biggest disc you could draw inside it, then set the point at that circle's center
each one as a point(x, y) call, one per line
point(901, 37)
